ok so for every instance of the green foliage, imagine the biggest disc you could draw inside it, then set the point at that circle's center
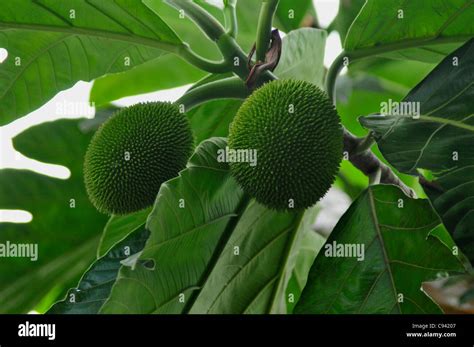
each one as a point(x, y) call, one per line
point(400, 253)
point(348, 10)
point(96, 283)
point(65, 225)
point(293, 128)
point(302, 57)
point(194, 247)
point(133, 153)
point(410, 25)
point(57, 47)
point(205, 245)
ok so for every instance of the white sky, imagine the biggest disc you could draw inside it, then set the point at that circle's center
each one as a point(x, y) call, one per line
point(10, 158)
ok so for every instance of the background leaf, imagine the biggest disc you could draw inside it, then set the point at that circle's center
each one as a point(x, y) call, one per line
point(400, 254)
point(96, 283)
point(445, 129)
point(166, 72)
point(303, 55)
point(67, 237)
point(348, 10)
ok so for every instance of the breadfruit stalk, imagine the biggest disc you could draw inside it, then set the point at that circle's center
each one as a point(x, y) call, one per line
point(231, 17)
point(227, 88)
point(264, 28)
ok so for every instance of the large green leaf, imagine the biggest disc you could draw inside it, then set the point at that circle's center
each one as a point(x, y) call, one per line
point(302, 260)
point(65, 225)
point(400, 253)
point(379, 26)
point(53, 44)
point(216, 234)
point(440, 140)
point(256, 280)
point(165, 72)
point(303, 55)
point(96, 283)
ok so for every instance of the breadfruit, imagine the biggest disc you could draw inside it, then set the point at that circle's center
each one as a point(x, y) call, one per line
point(296, 133)
point(133, 153)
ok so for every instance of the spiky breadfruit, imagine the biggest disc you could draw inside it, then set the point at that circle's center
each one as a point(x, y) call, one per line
point(297, 135)
point(133, 153)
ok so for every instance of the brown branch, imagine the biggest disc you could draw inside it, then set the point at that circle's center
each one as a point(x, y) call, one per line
point(369, 164)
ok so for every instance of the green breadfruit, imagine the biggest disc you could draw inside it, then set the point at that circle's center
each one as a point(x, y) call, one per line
point(298, 138)
point(133, 153)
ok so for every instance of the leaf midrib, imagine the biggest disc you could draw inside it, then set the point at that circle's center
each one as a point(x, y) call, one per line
point(374, 216)
point(363, 52)
point(170, 47)
point(440, 120)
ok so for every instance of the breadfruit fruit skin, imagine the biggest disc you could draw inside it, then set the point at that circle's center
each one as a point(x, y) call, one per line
point(297, 134)
point(133, 153)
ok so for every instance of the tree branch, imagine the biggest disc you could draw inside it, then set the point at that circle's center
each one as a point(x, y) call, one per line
point(370, 165)
point(358, 149)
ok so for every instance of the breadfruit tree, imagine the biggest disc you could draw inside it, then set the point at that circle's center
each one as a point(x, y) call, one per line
point(208, 204)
